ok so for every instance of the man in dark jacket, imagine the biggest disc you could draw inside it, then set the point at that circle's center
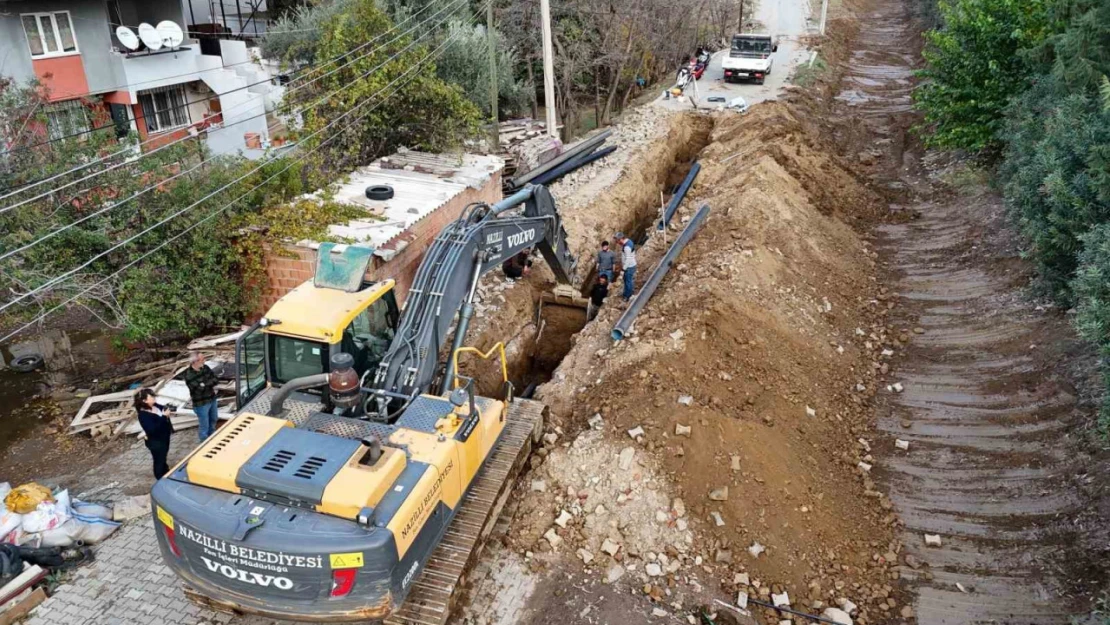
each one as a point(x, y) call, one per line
point(202, 381)
point(155, 421)
point(597, 295)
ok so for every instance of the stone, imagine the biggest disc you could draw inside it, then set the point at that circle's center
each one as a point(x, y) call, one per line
point(610, 547)
point(742, 600)
point(563, 518)
point(741, 579)
point(887, 352)
point(717, 518)
point(722, 555)
point(932, 540)
point(837, 616)
point(719, 494)
point(897, 386)
point(585, 556)
point(780, 599)
point(552, 538)
point(901, 444)
point(614, 573)
point(756, 549)
point(679, 507)
point(810, 412)
point(636, 432)
point(539, 486)
point(907, 611)
point(846, 605)
point(661, 516)
point(658, 612)
point(682, 430)
point(653, 569)
point(550, 438)
point(686, 400)
point(734, 463)
point(677, 335)
point(863, 466)
point(624, 460)
point(596, 422)
point(919, 330)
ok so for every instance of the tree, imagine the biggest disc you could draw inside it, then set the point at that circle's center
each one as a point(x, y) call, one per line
point(975, 63)
point(465, 62)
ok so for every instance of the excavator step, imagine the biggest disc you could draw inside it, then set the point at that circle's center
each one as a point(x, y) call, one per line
point(434, 593)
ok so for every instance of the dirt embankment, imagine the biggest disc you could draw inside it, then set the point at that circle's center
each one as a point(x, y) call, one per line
point(750, 370)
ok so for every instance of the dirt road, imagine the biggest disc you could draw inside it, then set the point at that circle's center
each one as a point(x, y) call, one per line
point(989, 416)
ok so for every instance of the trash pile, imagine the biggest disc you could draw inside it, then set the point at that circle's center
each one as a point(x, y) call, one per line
point(113, 414)
point(34, 516)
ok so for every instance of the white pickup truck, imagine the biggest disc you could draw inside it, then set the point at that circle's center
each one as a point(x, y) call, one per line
point(749, 57)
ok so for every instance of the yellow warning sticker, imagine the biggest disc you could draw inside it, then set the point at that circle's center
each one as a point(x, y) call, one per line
point(346, 560)
point(164, 516)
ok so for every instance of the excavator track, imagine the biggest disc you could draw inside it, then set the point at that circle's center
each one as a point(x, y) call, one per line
point(434, 593)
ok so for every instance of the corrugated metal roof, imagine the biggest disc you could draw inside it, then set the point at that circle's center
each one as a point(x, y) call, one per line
point(415, 193)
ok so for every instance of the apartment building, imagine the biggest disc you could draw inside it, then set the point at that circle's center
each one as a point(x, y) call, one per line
point(212, 84)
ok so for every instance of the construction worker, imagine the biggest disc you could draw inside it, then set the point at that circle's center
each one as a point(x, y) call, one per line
point(606, 261)
point(597, 296)
point(518, 266)
point(628, 264)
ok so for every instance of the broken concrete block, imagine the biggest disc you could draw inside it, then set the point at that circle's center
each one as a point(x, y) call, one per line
point(742, 600)
point(901, 444)
point(636, 432)
point(756, 549)
point(658, 612)
point(682, 430)
point(780, 600)
point(932, 540)
point(722, 555)
point(742, 579)
point(596, 421)
point(614, 573)
point(810, 412)
point(719, 494)
point(624, 460)
point(610, 547)
point(653, 569)
point(717, 518)
point(679, 507)
point(686, 400)
point(585, 556)
point(563, 518)
point(837, 616)
point(897, 386)
point(550, 438)
point(863, 466)
point(552, 538)
point(539, 486)
point(735, 463)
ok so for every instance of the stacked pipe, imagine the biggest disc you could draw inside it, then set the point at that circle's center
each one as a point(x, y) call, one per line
point(582, 153)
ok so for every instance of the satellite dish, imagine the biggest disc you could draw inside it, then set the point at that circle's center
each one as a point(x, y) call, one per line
point(171, 34)
point(127, 37)
point(150, 36)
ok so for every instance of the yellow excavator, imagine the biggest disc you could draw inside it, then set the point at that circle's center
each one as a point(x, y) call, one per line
point(353, 448)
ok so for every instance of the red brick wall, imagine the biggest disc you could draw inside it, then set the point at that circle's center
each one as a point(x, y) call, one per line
point(295, 265)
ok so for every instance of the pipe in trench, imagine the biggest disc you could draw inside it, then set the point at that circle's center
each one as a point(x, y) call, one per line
point(646, 291)
point(676, 199)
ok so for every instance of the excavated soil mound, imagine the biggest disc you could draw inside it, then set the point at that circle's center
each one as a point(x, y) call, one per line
point(749, 371)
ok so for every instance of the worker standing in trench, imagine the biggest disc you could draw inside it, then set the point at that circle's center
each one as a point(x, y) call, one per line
point(627, 264)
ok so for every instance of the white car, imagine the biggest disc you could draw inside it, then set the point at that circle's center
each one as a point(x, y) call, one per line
point(750, 57)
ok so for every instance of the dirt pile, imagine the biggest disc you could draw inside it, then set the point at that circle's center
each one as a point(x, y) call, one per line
point(729, 446)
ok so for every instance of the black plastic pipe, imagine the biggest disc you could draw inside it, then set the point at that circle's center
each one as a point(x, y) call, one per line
point(676, 199)
point(572, 165)
point(586, 145)
point(646, 291)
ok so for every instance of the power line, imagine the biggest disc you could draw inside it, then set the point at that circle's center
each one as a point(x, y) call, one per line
point(132, 263)
point(57, 279)
point(179, 174)
point(187, 103)
point(102, 159)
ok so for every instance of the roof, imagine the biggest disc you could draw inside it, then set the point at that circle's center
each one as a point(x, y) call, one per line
point(421, 182)
point(319, 313)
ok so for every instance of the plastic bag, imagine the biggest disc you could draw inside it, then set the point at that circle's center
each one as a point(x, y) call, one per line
point(89, 530)
point(45, 517)
point(85, 508)
point(26, 498)
point(9, 522)
point(5, 488)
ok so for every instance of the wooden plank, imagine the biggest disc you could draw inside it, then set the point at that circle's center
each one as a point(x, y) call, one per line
point(23, 581)
point(23, 607)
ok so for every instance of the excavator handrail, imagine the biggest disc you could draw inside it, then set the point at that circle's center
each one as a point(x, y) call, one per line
point(498, 347)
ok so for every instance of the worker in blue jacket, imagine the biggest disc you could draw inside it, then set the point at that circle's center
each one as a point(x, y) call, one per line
point(155, 421)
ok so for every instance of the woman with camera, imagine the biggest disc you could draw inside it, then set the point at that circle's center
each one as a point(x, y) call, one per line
point(155, 421)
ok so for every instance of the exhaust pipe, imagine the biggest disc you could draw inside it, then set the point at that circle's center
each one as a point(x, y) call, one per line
point(277, 404)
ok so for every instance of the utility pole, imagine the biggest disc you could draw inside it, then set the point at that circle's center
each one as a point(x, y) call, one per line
point(824, 14)
point(740, 20)
point(495, 130)
point(548, 69)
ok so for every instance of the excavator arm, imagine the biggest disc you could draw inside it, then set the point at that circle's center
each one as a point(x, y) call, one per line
point(481, 239)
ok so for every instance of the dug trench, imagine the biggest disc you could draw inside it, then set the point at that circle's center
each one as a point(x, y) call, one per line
point(724, 445)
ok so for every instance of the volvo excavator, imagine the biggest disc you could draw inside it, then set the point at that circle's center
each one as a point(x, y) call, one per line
point(332, 493)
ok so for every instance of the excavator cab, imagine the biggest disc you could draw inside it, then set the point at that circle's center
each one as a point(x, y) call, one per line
point(302, 331)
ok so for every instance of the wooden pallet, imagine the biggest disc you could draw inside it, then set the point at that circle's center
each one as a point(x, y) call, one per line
point(434, 593)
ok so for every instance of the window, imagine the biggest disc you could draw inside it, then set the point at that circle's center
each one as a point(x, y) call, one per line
point(65, 119)
point(370, 333)
point(49, 34)
point(164, 108)
point(297, 358)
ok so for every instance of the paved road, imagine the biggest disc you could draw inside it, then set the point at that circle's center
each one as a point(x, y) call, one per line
point(786, 18)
